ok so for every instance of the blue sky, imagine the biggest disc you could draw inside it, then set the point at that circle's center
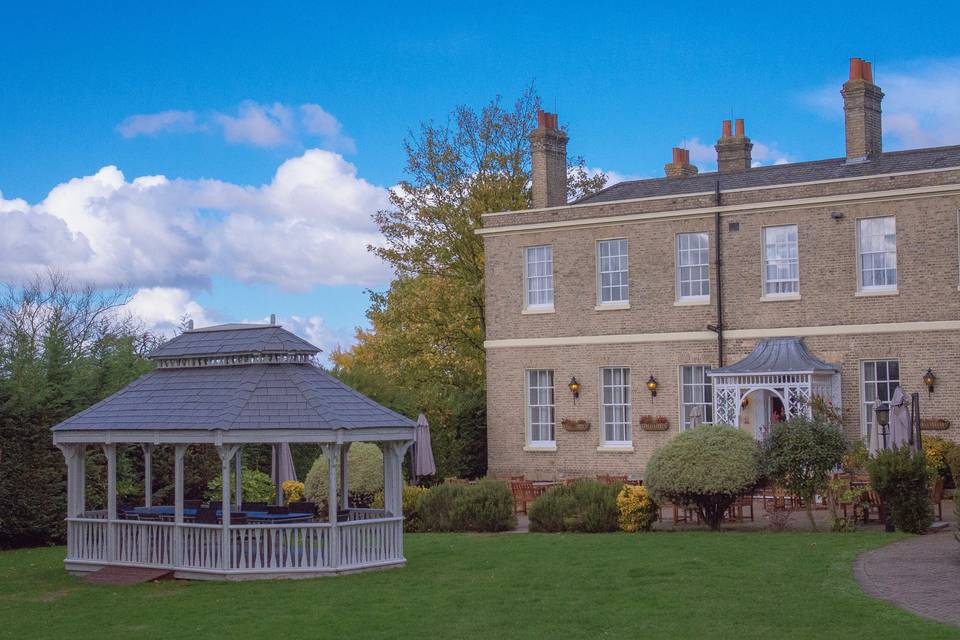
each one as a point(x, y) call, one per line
point(216, 98)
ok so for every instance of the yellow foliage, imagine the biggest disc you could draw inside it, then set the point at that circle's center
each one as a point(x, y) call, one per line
point(637, 509)
point(292, 491)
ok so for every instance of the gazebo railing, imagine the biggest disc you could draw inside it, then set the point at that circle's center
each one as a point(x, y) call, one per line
point(252, 548)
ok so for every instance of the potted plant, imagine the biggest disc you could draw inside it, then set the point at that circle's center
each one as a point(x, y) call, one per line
point(649, 423)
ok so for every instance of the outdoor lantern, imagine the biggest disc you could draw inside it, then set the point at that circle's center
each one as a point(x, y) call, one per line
point(574, 387)
point(930, 380)
point(883, 414)
point(652, 386)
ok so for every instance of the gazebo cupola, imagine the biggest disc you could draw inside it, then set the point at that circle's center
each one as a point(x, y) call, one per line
point(227, 386)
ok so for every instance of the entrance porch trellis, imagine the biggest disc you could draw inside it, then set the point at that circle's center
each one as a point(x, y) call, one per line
point(225, 387)
point(782, 366)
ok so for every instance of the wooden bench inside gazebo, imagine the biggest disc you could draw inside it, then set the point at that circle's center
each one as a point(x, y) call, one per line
point(225, 387)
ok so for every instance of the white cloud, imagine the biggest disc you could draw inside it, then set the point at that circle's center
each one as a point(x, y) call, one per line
point(260, 125)
point(314, 330)
point(162, 308)
point(921, 107)
point(152, 124)
point(310, 225)
point(257, 124)
point(613, 177)
point(320, 123)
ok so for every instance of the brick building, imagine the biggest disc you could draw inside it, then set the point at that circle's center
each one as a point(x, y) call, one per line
point(678, 279)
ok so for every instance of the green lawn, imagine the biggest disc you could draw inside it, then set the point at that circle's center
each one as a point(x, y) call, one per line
point(665, 585)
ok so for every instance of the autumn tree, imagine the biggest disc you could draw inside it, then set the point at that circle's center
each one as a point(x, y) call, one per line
point(424, 348)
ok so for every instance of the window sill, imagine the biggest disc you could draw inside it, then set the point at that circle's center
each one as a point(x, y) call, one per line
point(612, 306)
point(692, 303)
point(787, 297)
point(618, 448)
point(532, 311)
point(540, 448)
point(870, 293)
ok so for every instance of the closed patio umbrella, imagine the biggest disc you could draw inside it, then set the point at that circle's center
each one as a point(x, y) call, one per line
point(282, 468)
point(696, 417)
point(876, 442)
point(899, 419)
point(422, 457)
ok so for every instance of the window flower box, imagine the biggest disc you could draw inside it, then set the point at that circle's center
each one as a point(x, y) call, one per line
point(649, 423)
point(934, 424)
point(569, 424)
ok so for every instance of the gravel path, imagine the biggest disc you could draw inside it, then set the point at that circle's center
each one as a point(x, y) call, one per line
point(921, 575)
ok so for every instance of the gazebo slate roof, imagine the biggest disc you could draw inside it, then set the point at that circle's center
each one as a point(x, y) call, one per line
point(778, 355)
point(233, 397)
point(232, 339)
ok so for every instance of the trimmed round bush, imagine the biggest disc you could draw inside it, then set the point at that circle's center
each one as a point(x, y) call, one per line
point(484, 506)
point(365, 468)
point(586, 506)
point(257, 487)
point(709, 466)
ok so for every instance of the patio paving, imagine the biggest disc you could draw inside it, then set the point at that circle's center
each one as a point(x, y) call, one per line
point(921, 575)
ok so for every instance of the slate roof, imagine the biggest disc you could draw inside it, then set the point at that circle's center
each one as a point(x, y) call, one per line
point(778, 355)
point(256, 396)
point(232, 339)
point(776, 175)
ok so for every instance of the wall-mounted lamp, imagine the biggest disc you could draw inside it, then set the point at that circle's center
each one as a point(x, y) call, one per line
point(574, 387)
point(930, 380)
point(652, 386)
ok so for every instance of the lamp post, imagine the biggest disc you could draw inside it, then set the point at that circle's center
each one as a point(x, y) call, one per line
point(883, 420)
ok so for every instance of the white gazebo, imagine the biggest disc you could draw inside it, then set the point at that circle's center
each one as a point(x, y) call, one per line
point(779, 376)
point(224, 387)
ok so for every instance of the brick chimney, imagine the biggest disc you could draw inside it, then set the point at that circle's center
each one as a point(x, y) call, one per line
point(733, 149)
point(548, 148)
point(680, 167)
point(861, 110)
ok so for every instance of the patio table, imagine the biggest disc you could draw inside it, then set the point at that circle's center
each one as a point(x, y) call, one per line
point(252, 516)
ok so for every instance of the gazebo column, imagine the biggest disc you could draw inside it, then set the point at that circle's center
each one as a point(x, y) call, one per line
point(345, 476)
point(226, 453)
point(393, 453)
point(147, 474)
point(178, 453)
point(332, 453)
point(110, 451)
point(238, 477)
point(75, 456)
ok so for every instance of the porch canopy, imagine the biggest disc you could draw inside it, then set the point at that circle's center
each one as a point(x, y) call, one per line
point(782, 366)
point(226, 386)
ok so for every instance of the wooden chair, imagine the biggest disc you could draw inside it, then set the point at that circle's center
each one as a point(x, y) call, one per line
point(936, 496)
point(253, 506)
point(875, 504)
point(612, 480)
point(238, 517)
point(192, 504)
point(523, 493)
point(206, 515)
point(149, 517)
point(275, 509)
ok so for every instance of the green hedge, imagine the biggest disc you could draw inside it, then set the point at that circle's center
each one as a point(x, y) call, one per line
point(899, 476)
point(484, 506)
point(585, 505)
point(365, 470)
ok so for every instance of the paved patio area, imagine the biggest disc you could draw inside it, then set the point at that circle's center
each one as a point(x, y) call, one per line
point(921, 575)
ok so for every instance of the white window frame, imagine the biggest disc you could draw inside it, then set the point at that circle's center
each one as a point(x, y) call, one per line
point(700, 297)
point(702, 402)
point(767, 261)
point(861, 253)
point(527, 291)
point(866, 405)
point(624, 270)
point(549, 406)
point(626, 423)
